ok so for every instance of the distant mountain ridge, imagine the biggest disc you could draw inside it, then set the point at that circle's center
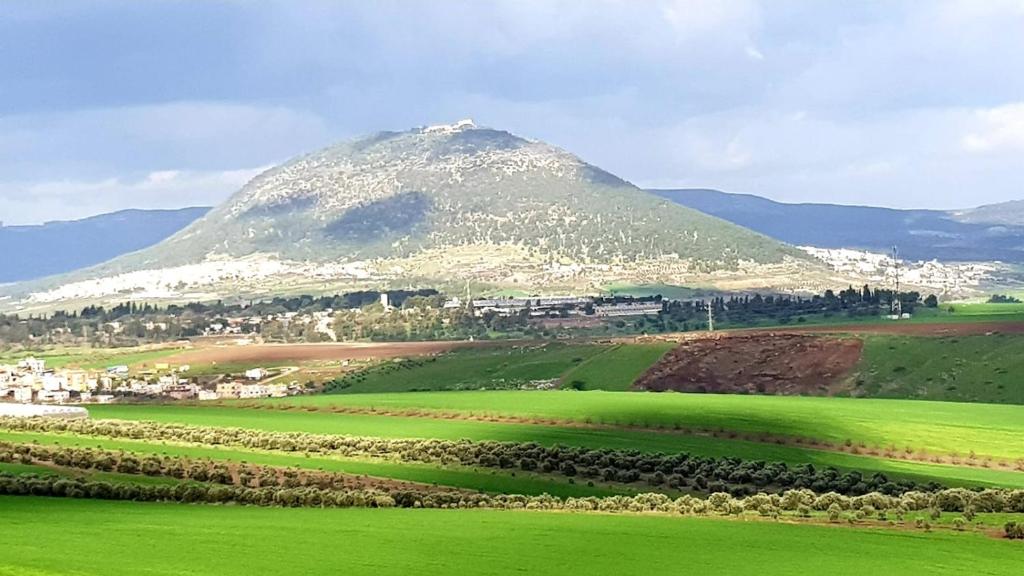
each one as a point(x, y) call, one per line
point(58, 247)
point(1007, 213)
point(987, 233)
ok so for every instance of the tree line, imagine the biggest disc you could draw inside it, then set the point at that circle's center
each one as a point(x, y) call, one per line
point(667, 471)
point(794, 503)
point(184, 468)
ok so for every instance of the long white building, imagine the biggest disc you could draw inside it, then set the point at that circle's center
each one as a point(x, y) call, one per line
point(41, 411)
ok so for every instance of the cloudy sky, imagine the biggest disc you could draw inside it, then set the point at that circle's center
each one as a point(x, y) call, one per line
point(115, 104)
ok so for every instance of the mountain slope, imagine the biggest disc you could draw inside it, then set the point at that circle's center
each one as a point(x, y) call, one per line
point(59, 247)
point(394, 194)
point(1005, 213)
point(920, 234)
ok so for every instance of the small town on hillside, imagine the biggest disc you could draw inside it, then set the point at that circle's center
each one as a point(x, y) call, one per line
point(30, 381)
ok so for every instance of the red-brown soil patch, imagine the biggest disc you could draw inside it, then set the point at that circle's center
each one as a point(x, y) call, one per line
point(756, 364)
point(271, 353)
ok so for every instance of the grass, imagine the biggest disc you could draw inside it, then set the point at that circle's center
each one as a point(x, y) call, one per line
point(92, 358)
point(230, 540)
point(943, 427)
point(407, 427)
point(617, 367)
point(959, 368)
point(505, 367)
point(18, 468)
point(987, 308)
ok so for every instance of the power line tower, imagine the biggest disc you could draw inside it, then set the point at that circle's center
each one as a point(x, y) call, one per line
point(897, 305)
point(711, 315)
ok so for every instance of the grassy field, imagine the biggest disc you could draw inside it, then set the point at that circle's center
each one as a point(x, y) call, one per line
point(472, 369)
point(93, 358)
point(224, 541)
point(944, 427)
point(985, 308)
point(962, 368)
point(405, 427)
point(616, 368)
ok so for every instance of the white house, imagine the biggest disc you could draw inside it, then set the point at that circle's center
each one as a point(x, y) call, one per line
point(23, 395)
point(32, 365)
point(256, 374)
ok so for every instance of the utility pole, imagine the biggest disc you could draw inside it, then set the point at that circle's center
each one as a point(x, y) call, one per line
point(711, 315)
point(897, 306)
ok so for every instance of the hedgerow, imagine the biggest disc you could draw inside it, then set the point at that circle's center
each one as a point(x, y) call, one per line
point(719, 503)
point(682, 471)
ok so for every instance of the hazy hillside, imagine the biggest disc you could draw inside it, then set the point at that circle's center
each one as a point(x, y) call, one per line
point(974, 235)
point(58, 247)
point(1006, 213)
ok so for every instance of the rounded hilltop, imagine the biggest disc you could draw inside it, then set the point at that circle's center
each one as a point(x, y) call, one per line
point(451, 186)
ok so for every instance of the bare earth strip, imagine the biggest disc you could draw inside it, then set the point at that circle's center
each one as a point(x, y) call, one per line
point(272, 353)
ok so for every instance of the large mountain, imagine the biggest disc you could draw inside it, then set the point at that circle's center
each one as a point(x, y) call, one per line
point(62, 246)
point(988, 233)
point(444, 205)
point(397, 193)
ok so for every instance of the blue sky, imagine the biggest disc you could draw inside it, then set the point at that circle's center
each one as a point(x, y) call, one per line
point(115, 104)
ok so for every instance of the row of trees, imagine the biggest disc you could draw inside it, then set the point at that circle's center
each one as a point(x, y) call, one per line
point(793, 503)
point(673, 471)
point(183, 468)
point(358, 315)
point(255, 476)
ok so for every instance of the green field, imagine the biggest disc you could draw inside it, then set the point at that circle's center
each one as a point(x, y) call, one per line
point(405, 427)
point(92, 358)
point(959, 368)
point(482, 395)
point(943, 427)
point(985, 308)
point(222, 541)
point(472, 369)
point(616, 368)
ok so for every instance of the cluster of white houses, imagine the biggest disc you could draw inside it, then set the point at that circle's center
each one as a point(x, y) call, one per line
point(30, 381)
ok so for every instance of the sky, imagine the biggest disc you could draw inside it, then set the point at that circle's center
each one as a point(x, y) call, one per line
point(106, 105)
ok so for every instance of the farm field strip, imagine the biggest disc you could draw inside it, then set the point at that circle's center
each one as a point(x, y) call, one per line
point(509, 366)
point(891, 452)
point(402, 427)
point(956, 368)
point(617, 367)
point(218, 540)
point(485, 480)
point(938, 427)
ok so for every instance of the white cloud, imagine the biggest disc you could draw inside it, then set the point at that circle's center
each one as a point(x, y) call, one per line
point(37, 202)
point(88, 143)
point(999, 129)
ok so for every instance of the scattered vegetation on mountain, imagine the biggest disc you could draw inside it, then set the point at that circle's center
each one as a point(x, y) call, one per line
point(392, 195)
